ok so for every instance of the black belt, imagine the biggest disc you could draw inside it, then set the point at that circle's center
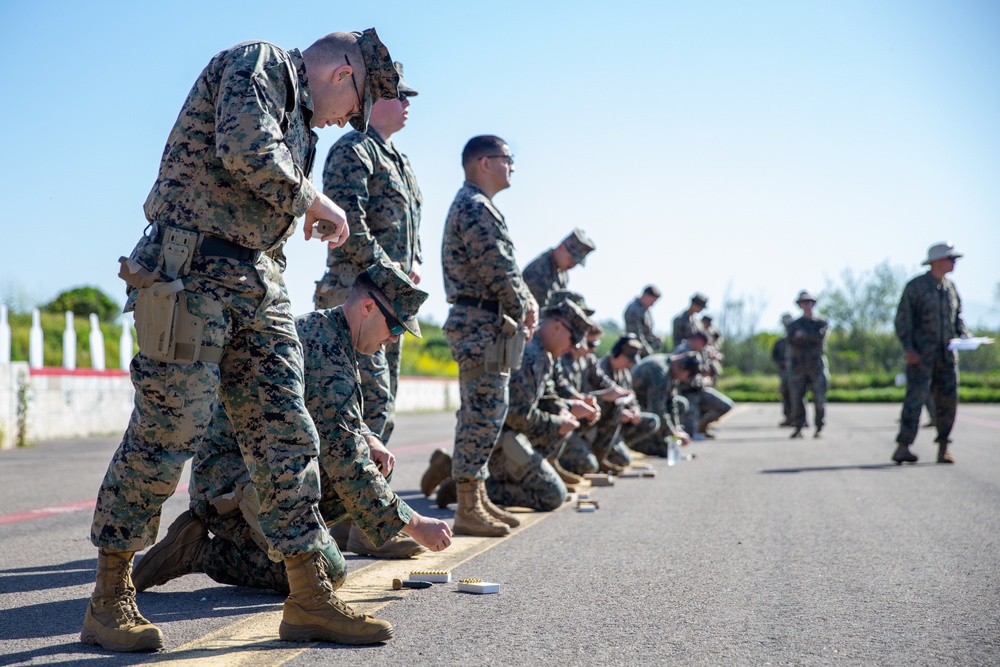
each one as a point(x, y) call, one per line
point(485, 304)
point(213, 246)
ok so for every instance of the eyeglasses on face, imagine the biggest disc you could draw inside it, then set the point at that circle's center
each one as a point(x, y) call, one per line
point(395, 326)
point(361, 105)
point(509, 158)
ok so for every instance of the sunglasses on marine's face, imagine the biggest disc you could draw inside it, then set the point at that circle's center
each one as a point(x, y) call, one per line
point(395, 326)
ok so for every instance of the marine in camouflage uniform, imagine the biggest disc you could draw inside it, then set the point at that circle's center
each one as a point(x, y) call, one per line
point(657, 391)
point(636, 425)
point(779, 355)
point(534, 428)
point(352, 486)
point(929, 315)
point(373, 181)
point(705, 404)
point(638, 321)
point(481, 281)
point(686, 322)
point(807, 367)
point(549, 272)
point(233, 177)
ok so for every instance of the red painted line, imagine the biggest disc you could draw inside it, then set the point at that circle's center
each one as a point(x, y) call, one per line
point(31, 515)
point(78, 372)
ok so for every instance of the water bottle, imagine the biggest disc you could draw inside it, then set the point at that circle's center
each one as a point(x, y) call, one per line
point(673, 450)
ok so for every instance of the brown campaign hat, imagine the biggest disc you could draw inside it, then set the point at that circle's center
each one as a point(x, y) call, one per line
point(381, 77)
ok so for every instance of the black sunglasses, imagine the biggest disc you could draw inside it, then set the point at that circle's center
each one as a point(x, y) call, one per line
point(396, 328)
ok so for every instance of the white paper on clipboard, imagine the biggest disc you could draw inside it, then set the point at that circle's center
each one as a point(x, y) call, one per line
point(968, 343)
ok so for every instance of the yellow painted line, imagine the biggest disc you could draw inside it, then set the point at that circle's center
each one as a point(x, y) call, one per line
point(253, 641)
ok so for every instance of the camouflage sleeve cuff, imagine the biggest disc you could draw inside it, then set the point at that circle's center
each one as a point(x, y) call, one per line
point(304, 198)
point(386, 524)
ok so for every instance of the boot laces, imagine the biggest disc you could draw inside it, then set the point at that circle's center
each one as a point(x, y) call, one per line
point(324, 588)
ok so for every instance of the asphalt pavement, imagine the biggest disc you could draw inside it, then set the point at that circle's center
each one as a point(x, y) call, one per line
point(759, 551)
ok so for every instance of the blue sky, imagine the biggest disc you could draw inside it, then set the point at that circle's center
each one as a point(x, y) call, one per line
point(759, 148)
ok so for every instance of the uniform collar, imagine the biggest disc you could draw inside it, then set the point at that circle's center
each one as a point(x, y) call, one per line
point(305, 95)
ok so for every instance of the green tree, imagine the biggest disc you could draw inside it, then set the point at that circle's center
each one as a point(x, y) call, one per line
point(83, 301)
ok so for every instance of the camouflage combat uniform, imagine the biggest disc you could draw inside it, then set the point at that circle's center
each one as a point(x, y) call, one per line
point(629, 434)
point(351, 485)
point(657, 393)
point(236, 170)
point(705, 404)
point(373, 182)
point(779, 354)
point(590, 443)
point(638, 321)
point(533, 413)
point(543, 277)
point(683, 326)
point(807, 368)
point(928, 316)
point(477, 257)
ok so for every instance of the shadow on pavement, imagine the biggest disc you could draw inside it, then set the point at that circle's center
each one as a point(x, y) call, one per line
point(870, 466)
point(42, 577)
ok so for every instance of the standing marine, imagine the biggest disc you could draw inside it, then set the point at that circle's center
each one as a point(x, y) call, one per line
point(807, 366)
point(548, 272)
point(929, 315)
point(639, 321)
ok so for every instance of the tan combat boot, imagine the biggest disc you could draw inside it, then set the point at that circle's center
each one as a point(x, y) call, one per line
point(113, 620)
point(493, 510)
point(399, 546)
point(447, 493)
point(438, 471)
point(471, 517)
point(180, 552)
point(313, 612)
point(607, 466)
point(944, 456)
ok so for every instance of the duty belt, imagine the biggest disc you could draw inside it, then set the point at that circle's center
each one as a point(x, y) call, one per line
point(215, 246)
point(485, 304)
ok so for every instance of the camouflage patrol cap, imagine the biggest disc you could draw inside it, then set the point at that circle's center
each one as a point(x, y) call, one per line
point(381, 77)
point(573, 317)
point(404, 90)
point(560, 295)
point(786, 318)
point(404, 297)
point(700, 299)
point(687, 361)
point(628, 345)
point(579, 245)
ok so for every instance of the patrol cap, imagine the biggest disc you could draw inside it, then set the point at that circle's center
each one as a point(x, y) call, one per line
point(786, 318)
point(404, 90)
point(579, 245)
point(943, 250)
point(560, 295)
point(381, 77)
point(404, 297)
point(706, 318)
point(805, 296)
point(628, 345)
point(700, 299)
point(688, 361)
point(573, 317)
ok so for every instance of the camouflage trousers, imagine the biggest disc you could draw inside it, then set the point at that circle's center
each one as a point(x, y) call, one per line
point(786, 396)
point(245, 310)
point(646, 435)
point(587, 447)
point(939, 380)
point(799, 382)
point(379, 372)
point(233, 556)
point(535, 485)
point(619, 454)
point(705, 405)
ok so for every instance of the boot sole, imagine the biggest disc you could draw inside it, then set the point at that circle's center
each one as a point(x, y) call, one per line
point(315, 633)
point(144, 574)
point(88, 636)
